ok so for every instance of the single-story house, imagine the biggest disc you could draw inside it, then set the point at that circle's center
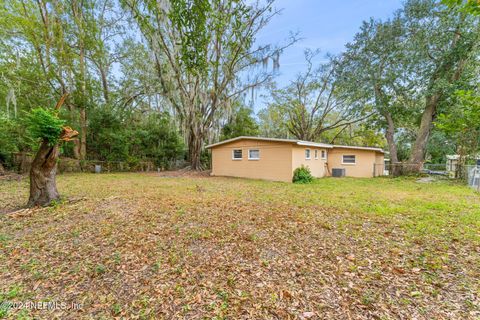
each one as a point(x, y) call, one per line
point(276, 159)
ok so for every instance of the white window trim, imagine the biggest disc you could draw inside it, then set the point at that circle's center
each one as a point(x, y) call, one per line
point(233, 155)
point(325, 153)
point(309, 154)
point(316, 154)
point(253, 158)
point(349, 163)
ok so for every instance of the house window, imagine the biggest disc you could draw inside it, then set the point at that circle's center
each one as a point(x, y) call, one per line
point(316, 154)
point(307, 154)
point(348, 159)
point(237, 154)
point(324, 154)
point(253, 154)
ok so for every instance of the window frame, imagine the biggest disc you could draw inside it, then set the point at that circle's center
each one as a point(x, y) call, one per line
point(309, 154)
point(250, 158)
point(324, 154)
point(316, 154)
point(349, 155)
point(241, 155)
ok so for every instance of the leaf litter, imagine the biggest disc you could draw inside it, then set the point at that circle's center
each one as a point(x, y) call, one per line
point(140, 247)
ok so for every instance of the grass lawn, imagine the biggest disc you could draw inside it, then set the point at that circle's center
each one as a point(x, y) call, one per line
point(147, 246)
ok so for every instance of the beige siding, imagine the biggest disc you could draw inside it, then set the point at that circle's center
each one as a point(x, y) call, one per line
point(275, 160)
point(317, 166)
point(365, 159)
point(278, 160)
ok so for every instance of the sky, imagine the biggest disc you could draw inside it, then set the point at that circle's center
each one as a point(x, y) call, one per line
point(322, 24)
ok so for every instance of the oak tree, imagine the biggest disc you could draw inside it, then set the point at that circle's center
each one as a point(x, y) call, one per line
point(204, 55)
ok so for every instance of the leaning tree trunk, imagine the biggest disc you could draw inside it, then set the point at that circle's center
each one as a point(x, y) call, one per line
point(417, 156)
point(43, 187)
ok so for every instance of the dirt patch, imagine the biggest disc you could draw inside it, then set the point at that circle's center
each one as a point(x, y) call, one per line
point(426, 180)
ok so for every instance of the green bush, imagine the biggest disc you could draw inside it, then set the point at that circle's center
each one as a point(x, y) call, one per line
point(45, 124)
point(134, 137)
point(302, 175)
point(14, 137)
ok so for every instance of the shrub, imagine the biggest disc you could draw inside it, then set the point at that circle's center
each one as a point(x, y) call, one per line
point(45, 124)
point(302, 175)
point(116, 136)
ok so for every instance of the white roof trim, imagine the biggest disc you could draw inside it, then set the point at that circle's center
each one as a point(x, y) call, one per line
point(314, 144)
point(250, 138)
point(360, 148)
point(297, 142)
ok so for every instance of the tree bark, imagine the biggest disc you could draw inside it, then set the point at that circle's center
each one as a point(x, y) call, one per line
point(80, 145)
point(78, 13)
point(43, 186)
point(103, 75)
point(195, 141)
point(83, 134)
point(417, 156)
point(450, 69)
point(390, 136)
point(76, 149)
point(392, 146)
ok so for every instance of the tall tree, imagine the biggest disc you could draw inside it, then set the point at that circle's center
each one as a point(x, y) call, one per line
point(442, 41)
point(66, 43)
point(314, 104)
point(202, 50)
point(373, 69)
point(408, 65)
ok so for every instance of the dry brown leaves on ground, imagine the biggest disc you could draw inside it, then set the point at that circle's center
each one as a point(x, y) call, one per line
point(143, 247)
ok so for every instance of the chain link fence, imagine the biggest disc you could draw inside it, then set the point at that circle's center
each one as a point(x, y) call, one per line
point(407, 169)
point(467, 173)
point(72, 165)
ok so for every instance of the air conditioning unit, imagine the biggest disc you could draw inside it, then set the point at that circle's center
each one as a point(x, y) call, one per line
point(338, 172)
